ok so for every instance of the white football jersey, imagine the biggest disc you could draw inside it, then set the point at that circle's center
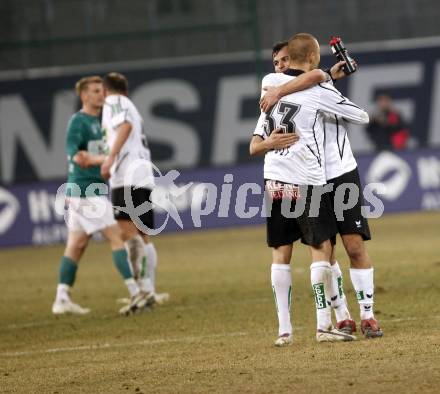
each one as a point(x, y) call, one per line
point(132, 166)
point(339, 157)
point(303, 112)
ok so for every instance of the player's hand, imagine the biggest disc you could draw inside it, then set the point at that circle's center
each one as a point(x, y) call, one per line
point(337, 71)
point(105, 168)
point(82, 158)
point(271, 97)
point(280, 140)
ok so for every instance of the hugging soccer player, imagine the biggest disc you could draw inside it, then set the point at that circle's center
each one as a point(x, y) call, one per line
point(301, 165)
point(341, 168)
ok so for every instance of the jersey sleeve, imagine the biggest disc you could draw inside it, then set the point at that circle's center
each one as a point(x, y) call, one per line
point(260, 129)
point(75, 136)
point(268, 80)
point(122, 112)
point(333, 102)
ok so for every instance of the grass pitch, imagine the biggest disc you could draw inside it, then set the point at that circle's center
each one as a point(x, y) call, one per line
point(217, 331)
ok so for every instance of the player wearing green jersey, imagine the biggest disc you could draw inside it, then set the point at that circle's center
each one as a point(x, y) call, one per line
point(89, 210)
point(129, 167)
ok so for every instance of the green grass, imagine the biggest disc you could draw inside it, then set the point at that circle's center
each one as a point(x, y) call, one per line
point(217, 331)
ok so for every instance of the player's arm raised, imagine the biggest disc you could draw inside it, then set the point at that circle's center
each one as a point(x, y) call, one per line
point(302, 82)
point(123, 132)
point(332, 101)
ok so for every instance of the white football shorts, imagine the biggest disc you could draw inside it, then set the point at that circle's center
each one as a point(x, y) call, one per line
point(89, 214)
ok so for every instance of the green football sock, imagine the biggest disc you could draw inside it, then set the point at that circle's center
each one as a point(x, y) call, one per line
point(67, 271)
point(120, 259)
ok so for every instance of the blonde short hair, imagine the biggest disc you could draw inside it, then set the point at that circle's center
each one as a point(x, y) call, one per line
point(300, 46)
point(84, 83)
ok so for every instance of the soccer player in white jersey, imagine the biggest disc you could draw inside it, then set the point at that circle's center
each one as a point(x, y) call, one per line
point(129, 167)
point(281, 60)
point(88, 210)
point(301, 165)
point(341, 167)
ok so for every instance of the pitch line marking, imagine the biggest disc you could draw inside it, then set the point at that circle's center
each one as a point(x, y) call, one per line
point(178, 309)
point(146, 342)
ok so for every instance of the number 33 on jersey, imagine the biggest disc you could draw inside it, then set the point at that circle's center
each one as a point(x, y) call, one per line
point(303, 113)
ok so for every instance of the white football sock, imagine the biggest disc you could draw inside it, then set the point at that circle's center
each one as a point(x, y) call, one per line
point(282, 290)
point(151, 253)
point(62, 293)
point(321, 277)
point(363, 283)
point(132, 286)
point(144, 281)
point(135, 251)
point(337, 297)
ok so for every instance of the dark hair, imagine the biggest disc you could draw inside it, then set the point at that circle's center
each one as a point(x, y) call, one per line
point(278, 46)
point(116, 83)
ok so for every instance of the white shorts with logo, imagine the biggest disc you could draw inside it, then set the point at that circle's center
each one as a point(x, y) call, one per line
point(89, 214)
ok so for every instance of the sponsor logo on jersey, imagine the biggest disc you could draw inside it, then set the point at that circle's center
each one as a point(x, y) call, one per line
point(279, 190)
point(116, 108)
point(95, 128)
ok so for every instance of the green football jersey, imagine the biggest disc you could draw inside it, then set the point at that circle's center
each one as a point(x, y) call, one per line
point(84, 133)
